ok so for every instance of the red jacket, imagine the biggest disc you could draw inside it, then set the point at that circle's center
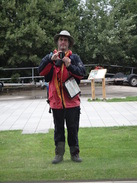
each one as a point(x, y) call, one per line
point(56, 76)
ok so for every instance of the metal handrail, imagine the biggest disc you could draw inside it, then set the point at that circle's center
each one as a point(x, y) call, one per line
point(33, 77)
point(21, 68)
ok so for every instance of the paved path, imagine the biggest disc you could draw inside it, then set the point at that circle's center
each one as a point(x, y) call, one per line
point(32, 116)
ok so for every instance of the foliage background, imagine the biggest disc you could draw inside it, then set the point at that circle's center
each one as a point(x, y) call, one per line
point(105, 31)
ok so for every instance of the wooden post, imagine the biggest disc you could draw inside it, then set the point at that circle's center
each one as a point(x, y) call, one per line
point(93, 89)
point(103, 89)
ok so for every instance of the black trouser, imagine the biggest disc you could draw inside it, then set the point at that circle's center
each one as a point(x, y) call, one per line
point(72, 116)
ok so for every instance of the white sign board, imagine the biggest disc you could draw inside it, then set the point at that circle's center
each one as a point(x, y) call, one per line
point(97, 74)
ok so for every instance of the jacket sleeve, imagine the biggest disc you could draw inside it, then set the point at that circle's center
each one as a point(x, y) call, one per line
point(76, 68)
point(46, 67)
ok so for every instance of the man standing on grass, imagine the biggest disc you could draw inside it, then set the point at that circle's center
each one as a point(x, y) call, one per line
point(57, 67)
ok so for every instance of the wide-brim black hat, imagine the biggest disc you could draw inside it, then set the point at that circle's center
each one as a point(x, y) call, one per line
point(64, 33)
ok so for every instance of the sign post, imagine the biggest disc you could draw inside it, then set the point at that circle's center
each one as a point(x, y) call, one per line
point(93, 89)
point(103, 88)
point(97, 74)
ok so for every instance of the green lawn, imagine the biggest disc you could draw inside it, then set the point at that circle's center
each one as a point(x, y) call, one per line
point(107, 153)
point(124, 99)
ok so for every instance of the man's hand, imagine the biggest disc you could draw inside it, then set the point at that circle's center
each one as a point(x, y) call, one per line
point(55, 56)
point(67, 61)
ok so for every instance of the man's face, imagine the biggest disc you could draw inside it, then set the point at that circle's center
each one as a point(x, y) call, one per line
point(63, 43)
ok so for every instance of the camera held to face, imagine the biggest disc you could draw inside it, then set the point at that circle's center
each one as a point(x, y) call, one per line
point(61, 55)
point(59, 62)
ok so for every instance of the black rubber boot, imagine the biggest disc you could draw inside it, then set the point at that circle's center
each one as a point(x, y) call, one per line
point(74, 151)
point(59, 152)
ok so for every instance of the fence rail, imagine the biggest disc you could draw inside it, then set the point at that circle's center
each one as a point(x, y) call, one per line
point(33, 76)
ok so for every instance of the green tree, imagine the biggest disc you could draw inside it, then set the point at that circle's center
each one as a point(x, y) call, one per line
point(28, 28)
point(22, 35)
point(92, 24)
point(107, 32)
point(122, 34)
